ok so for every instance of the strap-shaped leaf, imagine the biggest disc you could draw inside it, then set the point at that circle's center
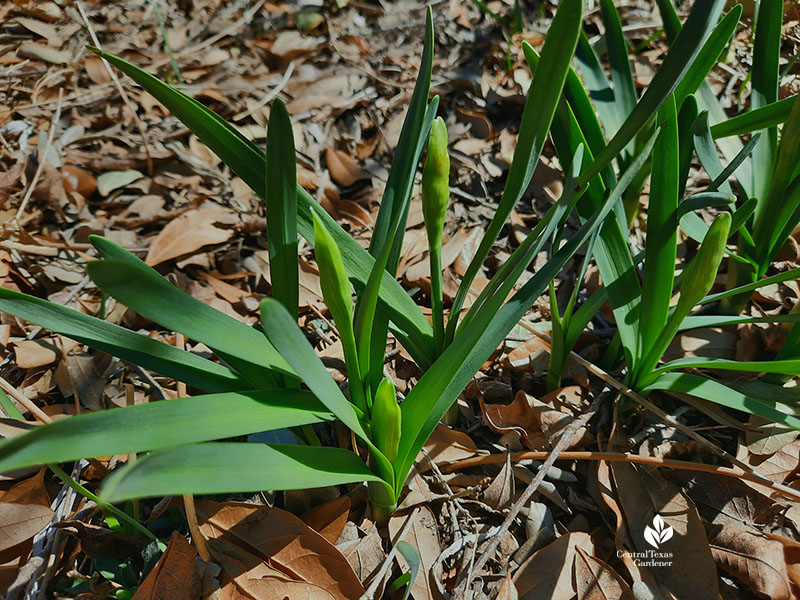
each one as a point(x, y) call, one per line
point(144, 290)
point(225, 468)
point(694, 385)
point(617, 47)
point(159, 425)
point(679, 59)
point(283, 332)
point(790, 367)
point(753, 120)
point(709, 55)
point(247, 161)
point(662, 226)
point(540, 106)
point(280, 199)
point(765, 77)
point(118, 341)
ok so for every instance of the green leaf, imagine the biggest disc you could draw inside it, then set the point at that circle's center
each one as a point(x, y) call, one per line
point(700, 387)
point(677, 63)
point(776, 217)
point(791, 367)
point(662, 227)
point(702, 321)
point(750, 287)
point(226, 468)
point(765, 77)
point(617, 47)
point(704, 200)
point(144, 290)
point(540, 106)
point(709, 55)
point(118, 341)
point(686, 118)
point(283, 332)
point(280, 198)
point(602, 95)
point(413, 560)
point(753, 120)
point(247, 161)
point(159, 425)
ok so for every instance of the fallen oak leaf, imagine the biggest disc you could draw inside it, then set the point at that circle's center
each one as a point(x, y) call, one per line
point(190, 232)
point(278, 540)
point(175, 574)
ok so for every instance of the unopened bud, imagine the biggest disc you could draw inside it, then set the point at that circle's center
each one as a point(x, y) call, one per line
point(385, 423)
point(436, 182)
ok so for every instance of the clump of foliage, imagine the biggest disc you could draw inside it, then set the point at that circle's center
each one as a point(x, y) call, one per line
point(270, 377)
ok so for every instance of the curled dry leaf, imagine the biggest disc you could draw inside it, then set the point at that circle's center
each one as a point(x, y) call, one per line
point(548, 572)
point(270, 553)
point(174, 576)
point(330, 518)
point(538, 424)
point(101, 541)
point(344, 169)
point(446, 446)
point(595, 580)
point(753, 559)
point(190, 232)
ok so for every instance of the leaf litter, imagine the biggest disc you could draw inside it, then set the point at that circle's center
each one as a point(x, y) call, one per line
point(126, 169)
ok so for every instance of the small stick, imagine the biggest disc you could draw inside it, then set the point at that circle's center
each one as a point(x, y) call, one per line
point(640, 459)
point(188, 499)
point(28, 404)
point(42, 157)
point(566, 436)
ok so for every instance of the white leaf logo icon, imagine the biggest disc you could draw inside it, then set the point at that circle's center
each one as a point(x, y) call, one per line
point(659, 533)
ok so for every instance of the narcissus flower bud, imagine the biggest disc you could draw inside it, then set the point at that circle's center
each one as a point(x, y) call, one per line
point(332, 276)
point(385, 421)
point(436, 182)
point(702, 271)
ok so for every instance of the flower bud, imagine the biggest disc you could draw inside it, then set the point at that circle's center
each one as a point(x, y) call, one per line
point(702, 271)
point(436, 183)
point(333, 278)
point(385, 421)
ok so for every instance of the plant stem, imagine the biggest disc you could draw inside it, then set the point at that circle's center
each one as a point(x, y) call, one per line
point(62, 475)
point(437, 303)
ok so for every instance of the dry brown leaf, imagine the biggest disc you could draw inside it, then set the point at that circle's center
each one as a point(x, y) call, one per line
point(330, 518)
point(365, 555)
point(344, 169)
point(507, 590)
point(753, 559)
point(447, 446)
point(284, 541)
point(500, 491)
point(20, 522)
point(548, 572)
point(643, 495)
point(95, 69)
point(537, 423)
point(423, 536)
point(779, 466)
point(174, 576)
point(190, 232)
point(29, 491)
point(101, 541)
point(31, 354)
point(595, 580)
point(532, 355)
